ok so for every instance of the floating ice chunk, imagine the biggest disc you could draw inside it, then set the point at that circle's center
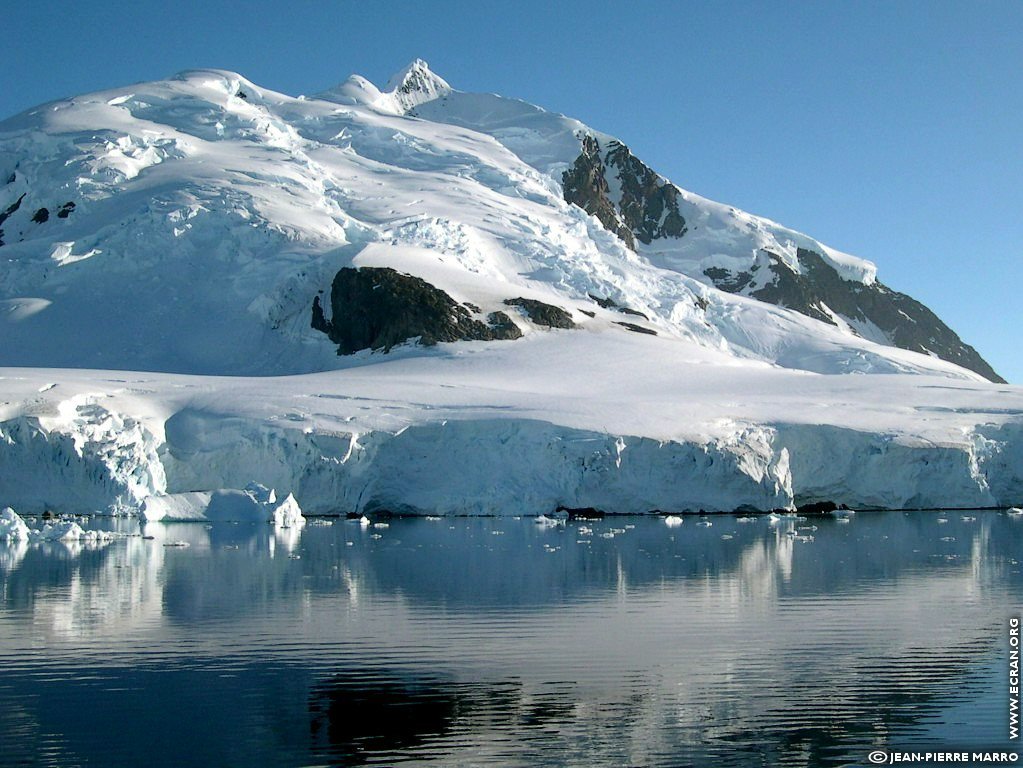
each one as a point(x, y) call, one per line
point(178, 507)
point(12, 527)
point(673, 521)
point(745, 519)
point(287, 513)
point(230, 505)
point(547, 522)
point(705, 523)
point(1014, 511)
point(61, 531)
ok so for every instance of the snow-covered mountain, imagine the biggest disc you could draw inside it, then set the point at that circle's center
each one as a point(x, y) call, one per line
point(477, 280)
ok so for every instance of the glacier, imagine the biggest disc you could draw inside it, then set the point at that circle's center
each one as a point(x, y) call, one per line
point(163, 245)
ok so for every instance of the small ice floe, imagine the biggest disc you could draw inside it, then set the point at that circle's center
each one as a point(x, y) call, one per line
point(745, 519)
point(1014, 511)
point(64, 530)
point(178, 544)
point(968, 519)
point(673, 521)
point(363, 521)
point(320, 521)
point(254, 503)
point(585, 530)
point(547, 522)
point(844, 520)
point(607, 535)
point(287, 514)
point(376, 536)
point(12, 527)
point(948, 538)
point(804, 539)
point(381, 525)
point(942, 519)
point(433, 518)
point(705, 523)
point(726, 536)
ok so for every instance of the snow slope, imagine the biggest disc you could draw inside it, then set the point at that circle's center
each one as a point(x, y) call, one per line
point(208, 213)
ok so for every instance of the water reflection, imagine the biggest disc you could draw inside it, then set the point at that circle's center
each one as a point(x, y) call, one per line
point(364, 712)
point(500, 642)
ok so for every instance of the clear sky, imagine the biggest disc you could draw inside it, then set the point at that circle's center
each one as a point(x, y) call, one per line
point(891, 130)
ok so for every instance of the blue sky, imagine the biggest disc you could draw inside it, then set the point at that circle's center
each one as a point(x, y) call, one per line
point(890, 130)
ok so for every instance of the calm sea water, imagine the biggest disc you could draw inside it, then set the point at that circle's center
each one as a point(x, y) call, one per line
point(497, 642)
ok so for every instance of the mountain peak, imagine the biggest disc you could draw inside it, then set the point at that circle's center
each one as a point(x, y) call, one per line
point(416, 84)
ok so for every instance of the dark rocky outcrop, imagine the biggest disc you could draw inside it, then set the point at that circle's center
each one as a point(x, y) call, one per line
point(503, 326)
point(379, 308)
point(649, 204)
point(609, 303)
point(543, 314)
point(41, 216)
point(636, 328)
point(6, 214)
point(906, 322)
point(585, 185)
point(319, 322)
point(646, 207)
point(65, 210)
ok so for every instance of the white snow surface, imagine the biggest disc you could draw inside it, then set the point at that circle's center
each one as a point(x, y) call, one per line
point(625, 423)
point(209, 212)
point(159, 351)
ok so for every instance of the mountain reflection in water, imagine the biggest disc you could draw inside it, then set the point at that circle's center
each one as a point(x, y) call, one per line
point(500, 642)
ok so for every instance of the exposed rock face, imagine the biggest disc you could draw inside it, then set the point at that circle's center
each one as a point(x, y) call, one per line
point(585, 185)
point(543, 314)
point(643, 206)
point(6, 213)
point(636, 328)
point(636, 204)
point(378, 308)
point(648, 203)
point(821, 293)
